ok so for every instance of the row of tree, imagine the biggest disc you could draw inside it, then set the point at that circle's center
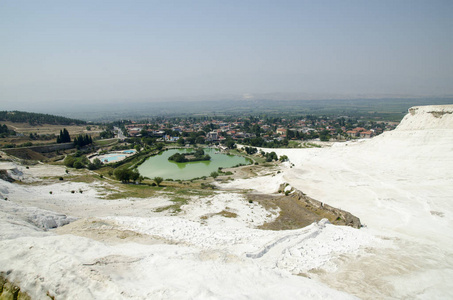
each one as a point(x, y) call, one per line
point(83, 140)
point(125, 175)
point(79, 141)
point(64, 136)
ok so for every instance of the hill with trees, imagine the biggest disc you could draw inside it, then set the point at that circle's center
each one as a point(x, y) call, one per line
point(37, 118)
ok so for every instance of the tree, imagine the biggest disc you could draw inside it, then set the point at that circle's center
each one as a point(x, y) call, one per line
point(283, 158)
point(324, 135)
point(134, 175)
point(178, 157)
point(199, 152)
point(64, 136)
point(158, 180)
point(200, 140)
point(69, 161)
point(230, 144)
point(83, 140)
point(214, 174)
point(97, 163)
point(180, 141)
point(78, 164)
point(123, 175)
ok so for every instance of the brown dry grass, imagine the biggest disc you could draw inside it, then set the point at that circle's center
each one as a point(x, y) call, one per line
point(26, 154)
point(73, 130)
point(45, 129)
point(293, 214)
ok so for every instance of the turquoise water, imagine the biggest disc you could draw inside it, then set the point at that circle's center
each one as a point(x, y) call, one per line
point(112, 157)
point(159, 165)
point(106, 158)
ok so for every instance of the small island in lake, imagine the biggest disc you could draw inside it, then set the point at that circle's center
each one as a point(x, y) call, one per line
point(198, 155)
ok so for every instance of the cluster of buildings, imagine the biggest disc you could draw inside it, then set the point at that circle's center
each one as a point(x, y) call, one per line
point(214, 130)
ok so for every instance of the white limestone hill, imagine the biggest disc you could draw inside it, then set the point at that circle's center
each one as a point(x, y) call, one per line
point(400, 184)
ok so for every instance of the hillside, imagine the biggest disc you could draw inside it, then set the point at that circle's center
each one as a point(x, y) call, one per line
point(400, 184)
point(37, 118)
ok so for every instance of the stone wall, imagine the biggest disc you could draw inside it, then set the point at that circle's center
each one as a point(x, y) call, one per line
point(51, 148)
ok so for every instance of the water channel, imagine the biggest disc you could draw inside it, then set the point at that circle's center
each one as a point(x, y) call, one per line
point(159, 165)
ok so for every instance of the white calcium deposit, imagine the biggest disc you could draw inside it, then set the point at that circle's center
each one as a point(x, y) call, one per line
point(400, 184)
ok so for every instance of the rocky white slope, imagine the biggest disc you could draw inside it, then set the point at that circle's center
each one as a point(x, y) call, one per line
point(399, 184)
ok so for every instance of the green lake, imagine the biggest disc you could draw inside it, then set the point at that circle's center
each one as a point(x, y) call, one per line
point(159, 165)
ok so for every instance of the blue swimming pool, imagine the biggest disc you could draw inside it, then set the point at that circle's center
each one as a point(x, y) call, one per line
point(113, 157)
point(129, 151)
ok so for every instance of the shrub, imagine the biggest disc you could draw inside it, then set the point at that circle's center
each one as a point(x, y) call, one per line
point(69, 161)
point(78, 164)
point(61, 178)
point(158, 180)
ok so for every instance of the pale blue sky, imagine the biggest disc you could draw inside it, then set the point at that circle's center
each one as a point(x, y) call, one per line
point(138, 50)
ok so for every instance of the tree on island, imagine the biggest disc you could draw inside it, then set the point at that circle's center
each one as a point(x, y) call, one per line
point(198, 155)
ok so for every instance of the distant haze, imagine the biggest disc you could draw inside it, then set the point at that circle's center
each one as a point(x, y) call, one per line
point(62, 53)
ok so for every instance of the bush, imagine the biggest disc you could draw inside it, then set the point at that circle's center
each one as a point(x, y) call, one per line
point(78, 164)
point(158, 180)
point(61, 178)
point(214, 174)
point(69, 161)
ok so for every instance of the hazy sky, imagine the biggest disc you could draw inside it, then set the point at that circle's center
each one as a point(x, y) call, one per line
point(117, 50)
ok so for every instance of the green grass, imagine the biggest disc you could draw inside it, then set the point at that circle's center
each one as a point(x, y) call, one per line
point(133, 191)
point(311, 145)
point(294, 144)
point(176, 207)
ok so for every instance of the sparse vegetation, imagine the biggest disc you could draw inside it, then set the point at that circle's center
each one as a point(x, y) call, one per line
point(158, 180)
